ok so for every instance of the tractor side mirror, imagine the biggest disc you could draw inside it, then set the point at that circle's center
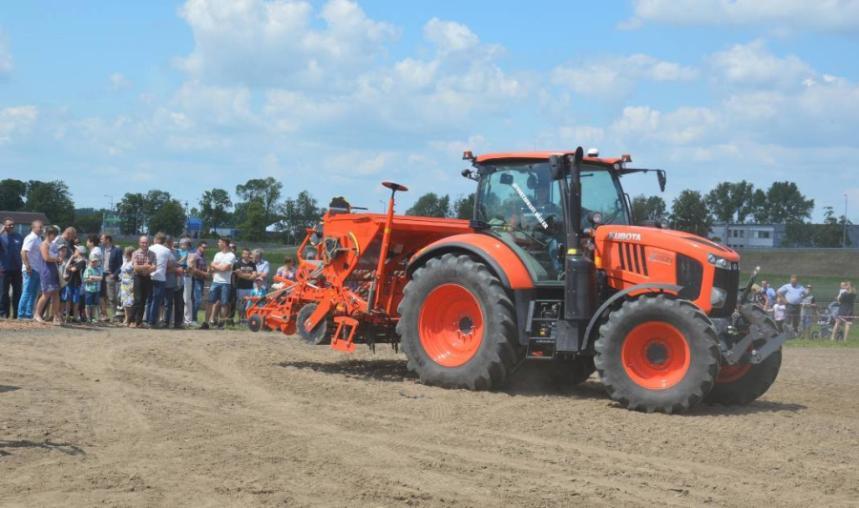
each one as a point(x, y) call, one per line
point(558, 167)
point(506, 179)
point(662, 178)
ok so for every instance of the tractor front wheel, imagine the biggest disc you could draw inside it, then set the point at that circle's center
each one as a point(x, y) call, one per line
point(657, 354)
point(457, 325)
point(745, 382)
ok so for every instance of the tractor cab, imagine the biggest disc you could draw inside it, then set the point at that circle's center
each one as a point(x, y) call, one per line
point(523, 201)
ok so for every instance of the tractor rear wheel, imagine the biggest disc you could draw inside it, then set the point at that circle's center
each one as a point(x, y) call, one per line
point(743, 383)
point(657, 354)
point(457, 325)
point(572, 371)
point(319, 334)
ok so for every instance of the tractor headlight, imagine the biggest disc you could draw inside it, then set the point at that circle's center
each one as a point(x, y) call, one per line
point(718, 262)
point(718, 297)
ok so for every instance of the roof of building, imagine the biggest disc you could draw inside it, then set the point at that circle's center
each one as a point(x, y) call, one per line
point(23, 217)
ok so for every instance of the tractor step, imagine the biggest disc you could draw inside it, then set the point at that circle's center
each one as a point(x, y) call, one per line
point(540, 349)
point(338, 340)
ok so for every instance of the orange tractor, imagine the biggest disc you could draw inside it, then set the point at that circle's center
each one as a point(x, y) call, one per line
point(549, 269)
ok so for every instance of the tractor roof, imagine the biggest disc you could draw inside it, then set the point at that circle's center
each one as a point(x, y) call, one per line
point(497, 157)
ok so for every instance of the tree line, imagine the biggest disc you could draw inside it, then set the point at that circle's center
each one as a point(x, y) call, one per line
point(697, 212)
point(259, 204)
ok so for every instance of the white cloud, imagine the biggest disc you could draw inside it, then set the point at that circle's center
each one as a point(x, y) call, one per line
point(753, 65)
point(16, 121)
point(5, 56)
point(449, 36)
point(617, 76)
point(118, 81)
point(781, 15)
point(264, 42)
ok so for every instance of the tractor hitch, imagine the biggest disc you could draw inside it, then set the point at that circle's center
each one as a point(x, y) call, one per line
point(759, 329)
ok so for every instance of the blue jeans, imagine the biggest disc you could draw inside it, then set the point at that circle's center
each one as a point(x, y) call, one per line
point(157, 301)
point(29, 294)
point(198, 297)
point(241, 302)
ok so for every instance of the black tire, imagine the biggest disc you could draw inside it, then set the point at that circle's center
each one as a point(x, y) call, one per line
point(564, 372)
point(255, 323)
point(695, 330)
point(317, 336)
point(757, 380)
point(498, 350)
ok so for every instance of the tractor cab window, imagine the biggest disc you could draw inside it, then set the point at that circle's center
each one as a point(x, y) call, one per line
point(602, 193)
point(522, 206)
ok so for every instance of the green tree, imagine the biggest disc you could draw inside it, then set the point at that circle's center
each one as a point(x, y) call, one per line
point(760, 210)
point(731, 202)
point(463, 208)
point(169, 218)
point(431, 205)
point(53, 199)
point(132, 213)
point(154, 201)
point(689, 212)
point(253, 226)
point(298, 214)
point(88, 220)
point(215, 208)
point(786, 205)
point(267, 191)
point(12, 194)
point(644, 208)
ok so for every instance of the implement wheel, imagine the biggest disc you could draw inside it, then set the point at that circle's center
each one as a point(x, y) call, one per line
point(457, 325)
point(255, 323)
point(657, 354)
point(745, 382)
point(319, 334)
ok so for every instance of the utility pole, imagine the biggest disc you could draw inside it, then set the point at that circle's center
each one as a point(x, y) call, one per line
point(844, 234)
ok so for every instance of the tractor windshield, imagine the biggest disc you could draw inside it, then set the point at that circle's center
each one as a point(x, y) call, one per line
point(522, 205)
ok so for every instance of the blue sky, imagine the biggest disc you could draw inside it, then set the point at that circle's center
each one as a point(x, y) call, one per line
point(336, 96)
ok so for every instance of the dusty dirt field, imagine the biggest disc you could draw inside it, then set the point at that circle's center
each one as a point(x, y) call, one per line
point(213, 418)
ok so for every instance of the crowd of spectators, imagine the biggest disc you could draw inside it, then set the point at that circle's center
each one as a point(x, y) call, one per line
point(49, 276)
point(794, 307)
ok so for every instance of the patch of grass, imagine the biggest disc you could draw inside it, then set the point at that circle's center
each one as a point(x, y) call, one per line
point(826, 343)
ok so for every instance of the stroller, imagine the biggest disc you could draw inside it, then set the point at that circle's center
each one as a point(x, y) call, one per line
point(822, 328)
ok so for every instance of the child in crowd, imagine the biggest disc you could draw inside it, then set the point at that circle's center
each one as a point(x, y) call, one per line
point(259, 289)
point(73, 273)
point(126, 286)
point(779, 313)
point(92, 288)
point(61, 272)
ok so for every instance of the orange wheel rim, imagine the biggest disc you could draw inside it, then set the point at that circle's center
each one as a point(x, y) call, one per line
point(731, 373)
point(451, 325)
point(655, 355)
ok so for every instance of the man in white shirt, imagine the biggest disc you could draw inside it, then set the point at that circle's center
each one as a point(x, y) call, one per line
point(222, 274)
point(31, 257)
point(159, 278)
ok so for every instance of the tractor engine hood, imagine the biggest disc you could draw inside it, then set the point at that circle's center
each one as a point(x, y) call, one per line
point(632, 255)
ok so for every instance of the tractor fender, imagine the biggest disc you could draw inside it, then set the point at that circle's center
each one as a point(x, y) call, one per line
point(498, 257)
point(639, 289)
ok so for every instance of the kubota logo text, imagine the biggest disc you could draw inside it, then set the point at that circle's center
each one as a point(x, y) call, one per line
point(625, 237)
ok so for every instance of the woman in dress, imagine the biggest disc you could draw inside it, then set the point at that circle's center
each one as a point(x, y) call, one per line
point(49, 278)
point(126, 285)
point(846, 305)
